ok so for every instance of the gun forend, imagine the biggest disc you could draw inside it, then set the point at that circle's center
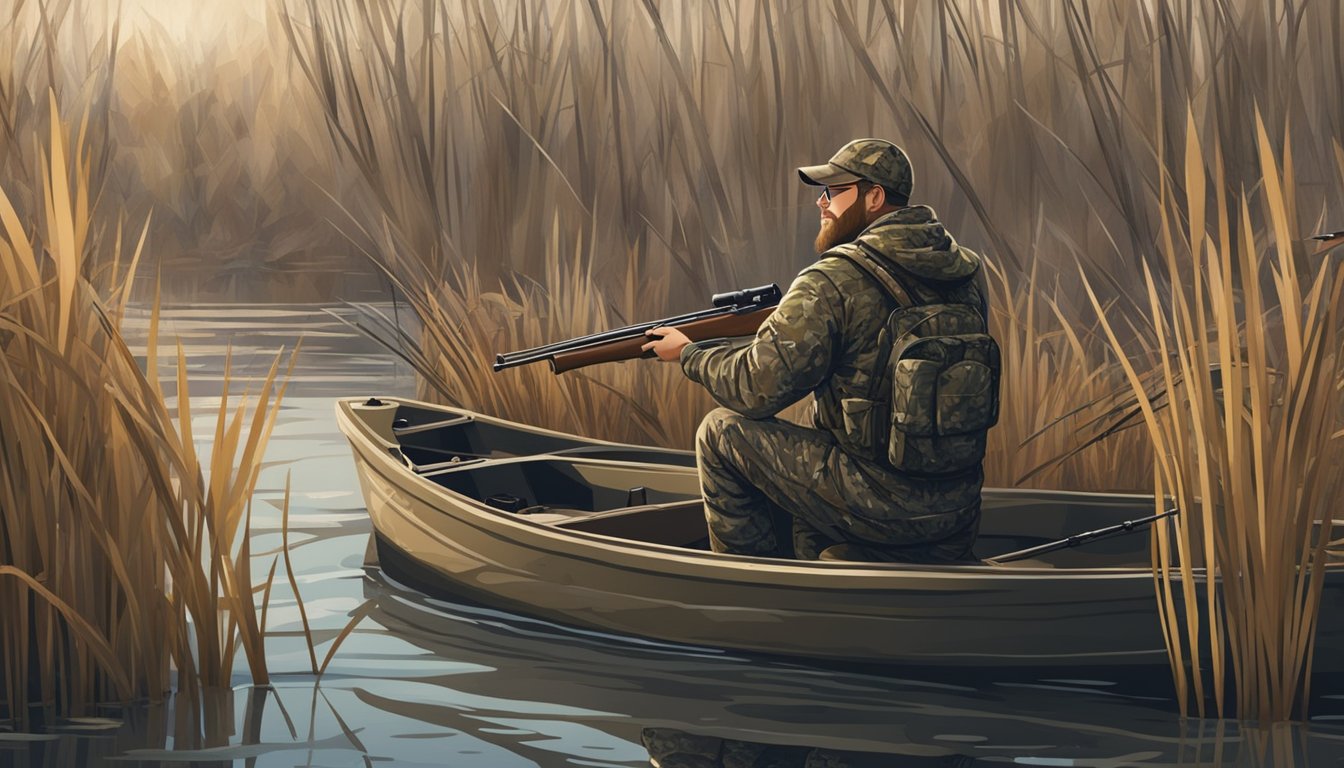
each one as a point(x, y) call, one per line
point(734, 313)
point(744, 323)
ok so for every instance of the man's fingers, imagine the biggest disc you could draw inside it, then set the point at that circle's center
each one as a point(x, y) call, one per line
point(659, 336)
point(651, 334)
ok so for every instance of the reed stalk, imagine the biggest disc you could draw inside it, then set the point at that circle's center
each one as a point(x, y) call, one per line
point(1249, 353)
point(125, 569)
point(1072, 436)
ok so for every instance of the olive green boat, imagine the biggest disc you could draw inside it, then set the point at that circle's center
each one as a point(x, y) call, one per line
point(612, 536)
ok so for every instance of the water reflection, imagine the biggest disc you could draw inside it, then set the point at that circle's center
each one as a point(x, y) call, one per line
point(429, 682)
point(639, 689)
point(672, 748)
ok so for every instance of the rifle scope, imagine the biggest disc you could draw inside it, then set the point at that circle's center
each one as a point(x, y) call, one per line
point(761, 294)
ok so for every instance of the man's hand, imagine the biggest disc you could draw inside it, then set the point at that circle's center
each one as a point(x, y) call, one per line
point(668, 347)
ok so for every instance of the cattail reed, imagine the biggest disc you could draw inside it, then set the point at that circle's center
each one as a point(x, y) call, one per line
point(126, 565)
point(1248, 350)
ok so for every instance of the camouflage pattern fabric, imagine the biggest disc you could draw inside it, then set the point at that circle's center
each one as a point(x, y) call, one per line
point(756, 471)
point(875, 160)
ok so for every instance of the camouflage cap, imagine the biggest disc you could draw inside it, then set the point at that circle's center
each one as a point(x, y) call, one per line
point(875, 160)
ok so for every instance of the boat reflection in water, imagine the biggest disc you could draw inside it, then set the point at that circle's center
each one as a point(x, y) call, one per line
point(692, 706)
point(427, 682)
point(672, 748)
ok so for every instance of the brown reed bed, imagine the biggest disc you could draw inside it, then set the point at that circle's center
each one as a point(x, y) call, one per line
point(528, 170)
point(203, 132)
point(412, 158)
point(1074, 434)
point(126, 566)
point(1250, 355)
point(465, 325)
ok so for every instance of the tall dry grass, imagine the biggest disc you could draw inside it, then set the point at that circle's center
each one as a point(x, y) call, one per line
point(499, 133)
point(634, 401)
point(208, 132)
point(1250, 355)
point(125, 561)
point(502, 143)
point(528, 170)
point(1065, 422)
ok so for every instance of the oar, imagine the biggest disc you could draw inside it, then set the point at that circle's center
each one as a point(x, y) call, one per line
point(1081, 538)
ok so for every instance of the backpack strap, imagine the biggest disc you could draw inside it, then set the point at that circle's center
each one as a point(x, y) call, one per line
point(892, 285)
point(895, 288)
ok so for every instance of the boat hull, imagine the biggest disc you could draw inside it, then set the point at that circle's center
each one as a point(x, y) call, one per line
point(949, 615)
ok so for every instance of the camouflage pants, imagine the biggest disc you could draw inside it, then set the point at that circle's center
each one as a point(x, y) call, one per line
point(763, 479)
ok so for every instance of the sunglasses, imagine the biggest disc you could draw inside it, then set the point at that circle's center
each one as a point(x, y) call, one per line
point(829, 193)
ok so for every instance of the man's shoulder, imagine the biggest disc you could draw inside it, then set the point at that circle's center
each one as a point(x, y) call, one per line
point(836, 265)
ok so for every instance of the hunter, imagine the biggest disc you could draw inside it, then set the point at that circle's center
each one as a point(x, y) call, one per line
point(892, 466)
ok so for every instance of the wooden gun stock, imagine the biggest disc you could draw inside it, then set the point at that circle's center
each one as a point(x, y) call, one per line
point(737, 324)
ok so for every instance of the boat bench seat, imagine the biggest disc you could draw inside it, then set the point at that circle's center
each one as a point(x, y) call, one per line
point(861, 553)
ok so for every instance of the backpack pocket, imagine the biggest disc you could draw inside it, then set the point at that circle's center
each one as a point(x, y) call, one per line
point(914, 405)
point(944, 396)
point(967, 395)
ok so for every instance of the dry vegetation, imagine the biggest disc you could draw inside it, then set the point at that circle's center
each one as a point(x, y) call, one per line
point(529, 170)
point(126, 563)
point(209, 135)
point(1248, 352)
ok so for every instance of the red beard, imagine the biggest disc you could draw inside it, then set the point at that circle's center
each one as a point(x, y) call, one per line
point(842, 229)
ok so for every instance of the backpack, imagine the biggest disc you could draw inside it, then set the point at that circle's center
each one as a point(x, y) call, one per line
point(934, 391)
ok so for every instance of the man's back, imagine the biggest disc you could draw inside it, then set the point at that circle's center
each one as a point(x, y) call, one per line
point(761, 475)
point(935, 268)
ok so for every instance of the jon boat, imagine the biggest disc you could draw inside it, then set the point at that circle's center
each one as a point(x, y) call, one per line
point(612, 536)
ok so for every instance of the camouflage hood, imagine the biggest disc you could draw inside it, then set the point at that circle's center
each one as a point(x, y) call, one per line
point(915, 240)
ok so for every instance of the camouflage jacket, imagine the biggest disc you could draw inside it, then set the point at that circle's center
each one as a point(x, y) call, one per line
point(822, 338)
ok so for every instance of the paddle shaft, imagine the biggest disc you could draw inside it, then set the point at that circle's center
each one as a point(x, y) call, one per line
point(1082, 538)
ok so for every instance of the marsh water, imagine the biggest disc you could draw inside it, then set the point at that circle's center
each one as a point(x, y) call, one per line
point(424, 682)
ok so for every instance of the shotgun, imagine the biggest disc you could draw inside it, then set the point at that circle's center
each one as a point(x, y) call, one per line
point(735, 313)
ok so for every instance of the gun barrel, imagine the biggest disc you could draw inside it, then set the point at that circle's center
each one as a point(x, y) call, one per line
point(747, 299)
point(510, 359)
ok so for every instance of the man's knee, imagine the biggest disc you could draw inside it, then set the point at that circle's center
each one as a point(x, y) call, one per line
point(708, 438)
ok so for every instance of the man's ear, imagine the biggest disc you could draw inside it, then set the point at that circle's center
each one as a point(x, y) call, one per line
point(875, 199)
